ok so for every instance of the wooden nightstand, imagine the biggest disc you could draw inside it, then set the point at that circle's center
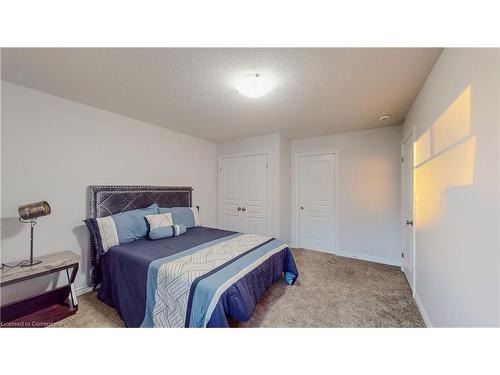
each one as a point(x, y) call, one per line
point(45, 308)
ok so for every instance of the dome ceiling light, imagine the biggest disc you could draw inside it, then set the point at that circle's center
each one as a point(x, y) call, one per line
point(254, 85)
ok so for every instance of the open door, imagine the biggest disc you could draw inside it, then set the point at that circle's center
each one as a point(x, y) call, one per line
point(408, 256)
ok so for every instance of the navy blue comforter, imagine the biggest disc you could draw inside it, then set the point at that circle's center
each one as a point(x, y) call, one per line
point(125, 277)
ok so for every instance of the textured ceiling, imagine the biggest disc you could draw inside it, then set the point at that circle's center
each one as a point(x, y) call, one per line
point(317, 91)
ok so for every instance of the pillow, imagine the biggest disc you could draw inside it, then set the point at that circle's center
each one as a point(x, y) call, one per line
point(159, 220)
point(169, 231)
point(120, 228)
point(187, 216)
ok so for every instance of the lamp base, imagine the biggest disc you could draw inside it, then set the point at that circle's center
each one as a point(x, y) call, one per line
point(27, 263)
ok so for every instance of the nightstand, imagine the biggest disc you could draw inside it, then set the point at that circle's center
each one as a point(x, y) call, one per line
point(45, 308)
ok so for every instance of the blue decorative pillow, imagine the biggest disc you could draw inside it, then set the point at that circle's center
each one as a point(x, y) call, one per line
point(187, 216)
point(120, 228)
point(169, 231)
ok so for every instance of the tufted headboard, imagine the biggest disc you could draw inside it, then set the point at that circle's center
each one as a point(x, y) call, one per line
point(105, 200)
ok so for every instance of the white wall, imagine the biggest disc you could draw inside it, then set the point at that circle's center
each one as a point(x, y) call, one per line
point(285, 194)
point(53, 148)
point(279, 199)
point(369, 204)
point(456, 122)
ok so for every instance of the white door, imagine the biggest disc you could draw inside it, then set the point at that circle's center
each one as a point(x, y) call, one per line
point(243, 194)
point(230, 194)
point(316, 174)
point(253, 204)
point(408, 259)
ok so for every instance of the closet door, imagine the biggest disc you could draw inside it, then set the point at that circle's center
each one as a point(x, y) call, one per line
point(243, 194)
point(230, 193)
point(254, 204)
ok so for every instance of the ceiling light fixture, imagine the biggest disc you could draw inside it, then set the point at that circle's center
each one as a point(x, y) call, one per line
point(254, 85)
point(384, 117)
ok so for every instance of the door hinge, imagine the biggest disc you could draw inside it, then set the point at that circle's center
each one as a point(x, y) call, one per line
point(266, 165)
point(402, 159)
point(402, 255)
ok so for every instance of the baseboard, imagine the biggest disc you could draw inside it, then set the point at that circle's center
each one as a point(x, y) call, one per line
point(425, 317)
point(83, 289)
point(369, 258)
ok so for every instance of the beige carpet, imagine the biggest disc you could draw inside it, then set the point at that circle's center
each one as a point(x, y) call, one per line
point(331, 292)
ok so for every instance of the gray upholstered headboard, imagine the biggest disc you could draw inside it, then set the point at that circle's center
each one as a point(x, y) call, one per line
point(105, 200)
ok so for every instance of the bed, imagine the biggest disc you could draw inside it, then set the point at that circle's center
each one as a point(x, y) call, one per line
point(206, 277)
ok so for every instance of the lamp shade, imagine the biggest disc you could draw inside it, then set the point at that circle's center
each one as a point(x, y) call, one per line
point(34, 210)
point(254, 85)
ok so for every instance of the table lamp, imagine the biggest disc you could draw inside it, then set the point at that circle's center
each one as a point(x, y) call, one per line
point(28, 213)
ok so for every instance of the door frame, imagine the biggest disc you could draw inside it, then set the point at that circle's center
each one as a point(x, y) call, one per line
point(408, 136)
point(269, 213)
point(296, 192)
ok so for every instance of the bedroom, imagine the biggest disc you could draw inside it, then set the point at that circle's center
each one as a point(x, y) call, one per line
point(239, 166)
point(244, 187)
point(312, 190)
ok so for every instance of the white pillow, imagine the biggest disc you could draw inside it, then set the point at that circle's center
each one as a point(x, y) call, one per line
point(159, 220)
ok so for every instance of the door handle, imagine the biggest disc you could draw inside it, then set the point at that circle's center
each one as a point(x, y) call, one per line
point(239, 208)
point(301, 207)
point(409, 222)
point(243, 209)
